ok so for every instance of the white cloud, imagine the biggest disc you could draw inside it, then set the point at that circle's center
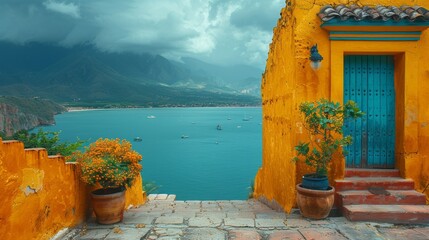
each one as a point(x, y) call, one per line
point(70, 9)
point(217, 31)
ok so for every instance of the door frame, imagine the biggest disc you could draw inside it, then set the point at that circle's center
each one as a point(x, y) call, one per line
point(405, 84)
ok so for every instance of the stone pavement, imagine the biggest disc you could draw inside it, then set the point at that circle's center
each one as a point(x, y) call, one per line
point(163, 218)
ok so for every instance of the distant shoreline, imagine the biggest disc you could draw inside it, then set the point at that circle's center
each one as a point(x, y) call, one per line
point(84, 109)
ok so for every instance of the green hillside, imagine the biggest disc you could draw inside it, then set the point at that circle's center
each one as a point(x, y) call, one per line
point(42, 108)
point(20, 113)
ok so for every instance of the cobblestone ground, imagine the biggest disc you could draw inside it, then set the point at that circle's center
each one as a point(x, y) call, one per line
point(163, 218)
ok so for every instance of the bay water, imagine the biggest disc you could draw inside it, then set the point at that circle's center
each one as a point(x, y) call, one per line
point(195, 153)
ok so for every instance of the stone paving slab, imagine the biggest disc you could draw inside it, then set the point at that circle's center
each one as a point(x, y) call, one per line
point(128, 234)
point(189, 220)
point(168, 232)
point(321, 234)
point(270, 223)
point(138, 219)
point(424, 231)
point(240, 215)
point(95, 234)
point(171, 197)
point(239, 222)
point(286, 234)
point(204, 234)
point(205, 222)
point(359, 231)
point(168, 238)
point(181, 214)
point(161, 197)
point(271, 215)
point(320, 222)
point(212, 214)
point(225, 204)
point(169, 220)
point(401, 234)
point(297, 223)
point(240, 234)
point(156, 213)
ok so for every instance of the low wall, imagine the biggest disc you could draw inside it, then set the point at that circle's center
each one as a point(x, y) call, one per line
point(42, 194)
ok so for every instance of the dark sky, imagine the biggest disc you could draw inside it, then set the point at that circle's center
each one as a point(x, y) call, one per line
point(216, 31)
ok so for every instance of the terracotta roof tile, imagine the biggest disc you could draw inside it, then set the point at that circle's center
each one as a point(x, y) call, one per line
point(378, 13)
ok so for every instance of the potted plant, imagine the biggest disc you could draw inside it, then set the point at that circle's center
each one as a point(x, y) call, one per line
point(108, 165)
point(324, 120)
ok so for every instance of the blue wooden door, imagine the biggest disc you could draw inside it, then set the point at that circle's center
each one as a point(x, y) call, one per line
point(369, 81)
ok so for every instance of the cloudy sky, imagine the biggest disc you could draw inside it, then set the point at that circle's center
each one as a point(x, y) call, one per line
point(216, 31)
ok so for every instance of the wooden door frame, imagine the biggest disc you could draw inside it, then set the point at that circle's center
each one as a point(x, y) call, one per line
point(406, 103)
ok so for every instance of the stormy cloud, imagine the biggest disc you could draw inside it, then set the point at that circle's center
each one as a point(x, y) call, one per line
point(217, 31)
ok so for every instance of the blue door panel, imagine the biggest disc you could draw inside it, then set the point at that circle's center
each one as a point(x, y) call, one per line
point(369, 81)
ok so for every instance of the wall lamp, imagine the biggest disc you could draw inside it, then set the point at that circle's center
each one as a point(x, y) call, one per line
point(315, 58)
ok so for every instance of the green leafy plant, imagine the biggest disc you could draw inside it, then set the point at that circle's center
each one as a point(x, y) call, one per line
point(48, 140)
point(150, 187)
point(109, 163)
point(324, 120)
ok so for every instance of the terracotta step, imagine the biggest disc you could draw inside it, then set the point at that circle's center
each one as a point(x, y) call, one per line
point(389, 183)
point(396, 197)
point(417, 214)
point(360, 172)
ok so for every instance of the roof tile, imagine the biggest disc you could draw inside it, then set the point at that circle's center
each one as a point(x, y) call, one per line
point(378, 13)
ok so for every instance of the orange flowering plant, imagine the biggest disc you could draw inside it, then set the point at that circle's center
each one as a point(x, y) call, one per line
point(109, 162)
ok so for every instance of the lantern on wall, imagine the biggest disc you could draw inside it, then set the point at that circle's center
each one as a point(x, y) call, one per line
point(315, 58)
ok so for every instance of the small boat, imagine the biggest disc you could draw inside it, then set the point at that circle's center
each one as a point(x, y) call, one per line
point(151, 117)
point(184, 137)
point(138, 139)
point(247, 118)
point(219, 127)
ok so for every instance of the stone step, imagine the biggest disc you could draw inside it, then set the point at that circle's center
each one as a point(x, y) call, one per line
point(388, 183)
point(406, 214)
point(361, 172)
point(410, 197)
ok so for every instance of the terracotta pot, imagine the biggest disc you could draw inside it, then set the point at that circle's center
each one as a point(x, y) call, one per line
point(108, 205)
point(314, 204)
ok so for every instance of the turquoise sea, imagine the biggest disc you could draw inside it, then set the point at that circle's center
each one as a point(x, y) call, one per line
point(183, 151)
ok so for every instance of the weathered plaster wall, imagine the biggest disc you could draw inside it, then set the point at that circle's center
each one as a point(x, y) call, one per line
point(288, 80)
point(135, 196)
point(41, 194)
point(422, 163)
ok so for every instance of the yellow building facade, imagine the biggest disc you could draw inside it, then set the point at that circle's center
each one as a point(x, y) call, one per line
point(289, 80)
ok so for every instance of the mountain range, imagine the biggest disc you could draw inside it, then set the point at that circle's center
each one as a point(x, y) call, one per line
point(85, 76)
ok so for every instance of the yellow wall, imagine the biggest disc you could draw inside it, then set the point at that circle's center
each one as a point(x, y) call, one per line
point(41, 194)
point(288, 80)
point(135, 196)
point(419, 168)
